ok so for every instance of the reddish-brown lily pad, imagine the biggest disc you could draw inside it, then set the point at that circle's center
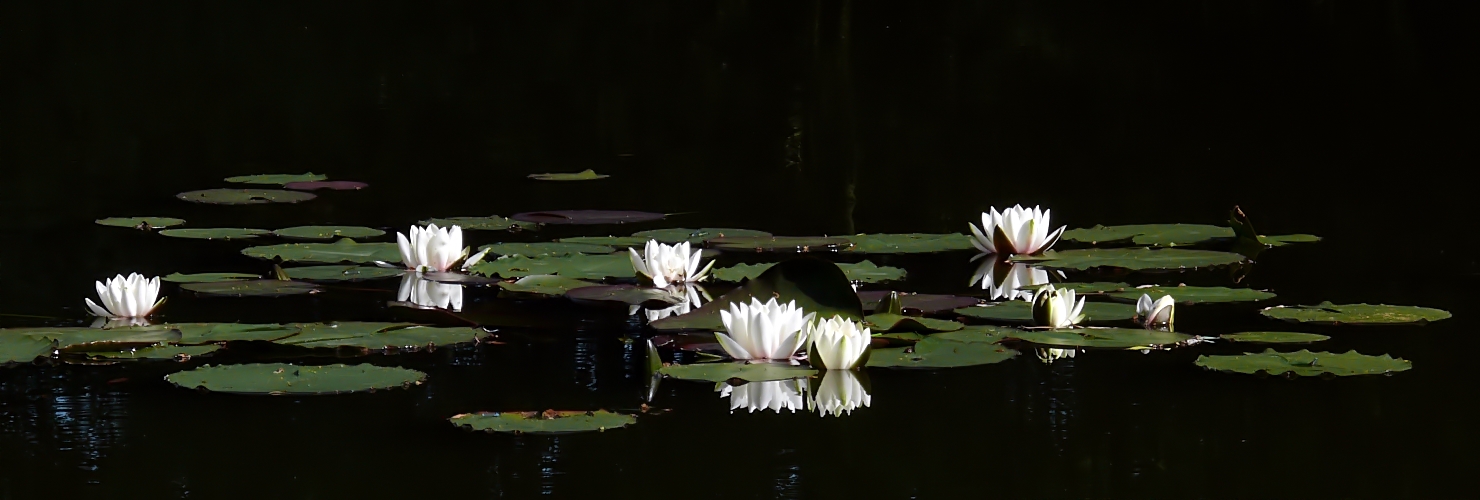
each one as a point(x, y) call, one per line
point(587, 216)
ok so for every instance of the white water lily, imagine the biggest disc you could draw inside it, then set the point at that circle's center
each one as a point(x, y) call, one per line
point(1056, 307)
point(131, 297)
point(1049, 355)
point(1155, 313)
point(768, 331)
point(435, 249)
point(691, 295)
point(1016, 230)
point(839, 393)
point(667, 264)
point(774, 395)
point(838, 343)
point(1004, 281)
point(426, 293)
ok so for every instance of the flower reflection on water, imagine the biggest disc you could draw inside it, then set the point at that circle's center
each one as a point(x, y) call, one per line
point(774, 395)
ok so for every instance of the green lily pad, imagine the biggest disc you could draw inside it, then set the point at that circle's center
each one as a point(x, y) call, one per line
point(337, 330)
point(73, 339)
point(205, 333)
point(1109, 338)
point(546, 249)
point(161, 352)
point(341, 273)
point(1135, 259)
point(24, 348)
point(934, 352)
point(587, 216)
point(1092, 288)
point(909, 243)
point(627, 294)
point(580, 266)
point(1355, 314)
point(923, 303)
point(682, 234)
point(276, 379)
point(328, 232)
point(489, 223)
point(1018, 311)
point(208, 277)
point(780, 243)
point(252, 288)
point(898, 323)
point(278, 179)
point(978, 333)
point(1306, 363)
point(584, 175)
point(816, 285)
point(410, 338)
point(749, 372)
point(145, 223)
point(543, 422)
point(544, 284)
point(217, 233)
point(1282, 240)
point(345, 250)
point(865, 271)
point(1273, 337)
point(1161, 235)
point(244, 196)
point(1194, 294)
point(609, 241)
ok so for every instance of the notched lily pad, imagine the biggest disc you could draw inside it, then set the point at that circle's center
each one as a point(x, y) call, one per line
point(909, 243)
point(341, 273)
point(1108, 338)
point(934, 352)
point(244, 196)
point(144, 223)
point(1273, 337)
point(1017, 311)
point(695, 236)
point(252, 288)
point(277, 379)
point(1135, 259)
point(489, 223)
point(208, 277)
point(332, 185)
point(749, 372)
point(345, 250)
point(1194, 294)
point(327, 232)
point(16, 348)
point(544, 284)
point(543, 422)
point(545, 249)
point(898, 323)
point(780, 243)
point(1355, 314)
point(586, 216)
point(278, 179)
point(1305, 363)
point(584, 175)
point(217, 233)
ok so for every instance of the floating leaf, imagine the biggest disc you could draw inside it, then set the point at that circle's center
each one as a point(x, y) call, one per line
point(1135, 259)
point(1194, 294)
point(627, 294)
point(318, 332)
point(1305, 363)
point(341, 273)
point(1018, 311)
point(278, 179)
point(544, 284)
point(918, 303)
point(317, 185)
point(145, 223)
point(1273, 337)
point(898, 323)
point(780, 243)
point(586, 216)
point(278, 379)
point(203, 333)
point(934, 352)
point(978, 333)
point(749, 372)
point(1356, 314)
point(244, 196)
point(578, 266)
point(252, 288)
point(909, 243)
point(865, 271)
point(24, 348)
point(584, 175)
point(345, 250)
point(1282, 240)
point(328, 232)
point(452, 278)
point(408, 338)
point(208, 277)
point(544, 422)
point(816, 285)
point(163, 352)
point(74, 339)
point(219, 233)
point(489, 223)
point(1093, 288)
point(609, 241)
point(695, 236)
point(1109, 338)
point(546, 249)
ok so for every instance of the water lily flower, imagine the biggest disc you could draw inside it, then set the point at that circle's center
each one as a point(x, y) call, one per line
point(691, 297)
point(131, 297)
point(1006, 281)
point(840, 392)
point(429, 294)
point(774, 395)
point(1155, 313)
point(1016, 230)
point(666, 264)
point(1056, 308)
point(435, 249)
point(838, 343)
point(1049, 355)
point(763, 331)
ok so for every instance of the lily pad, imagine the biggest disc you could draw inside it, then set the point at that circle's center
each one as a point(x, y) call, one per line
point(277, 379)
point(586, 216)
point(1109, 338)
point(1092, 288)
point(543, 422)
point(333, 185)
point(1194, 294)
point(1273, 337)
point(345, 250)
point(1306, 363)
point(341, 273)
point(162, 352)
point(546, 249)
point(609, 241)
point(452, 278)
point(544, 284)
point(252, 288)
point(1162, 235)
point(24, 348)
point(918, 303)
point(328, 232)
point(749, 372)
point(682, 234)
point(1282, 240)
point(865, 271)
point(145, 223)
point(338, 330)
point(204, 333)
point(1135, 259)
point(244, 196)
point(219, 233)
point(1018, 311)
point(584, 175)
point(909, 243)
point(278, 179)
point(816, 285)
point(627, 294)
point(410, 338)
point(580, 266)
point(780, 243)
point(208, 277)
point(71, 339)
point(978, 333)
point(934, 352)
point(489, 223)
point(898, 323)
point(1355, 314)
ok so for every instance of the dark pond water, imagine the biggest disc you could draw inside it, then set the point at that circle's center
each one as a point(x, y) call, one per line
point(1345, 119)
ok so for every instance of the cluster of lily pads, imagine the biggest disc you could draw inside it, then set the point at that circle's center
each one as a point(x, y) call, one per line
point(794, 334)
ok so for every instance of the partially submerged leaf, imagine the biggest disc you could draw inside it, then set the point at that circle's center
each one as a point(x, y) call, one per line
point(584, 175)
point(217, 233)
point(750, 372)
point(816, 285)
point(345, 250)
point(1356, 314)
point(278, 179)
point(278, 379)
point(544, 422)
point(1135, 259)
point(327, 232)
point(897, 323)
point(1306, 363)
point(244, 196)
point(145, 223)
